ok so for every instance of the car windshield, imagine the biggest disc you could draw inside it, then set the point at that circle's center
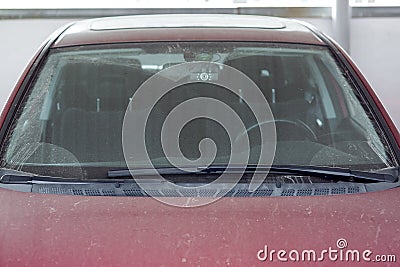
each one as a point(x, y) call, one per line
point(72, 116)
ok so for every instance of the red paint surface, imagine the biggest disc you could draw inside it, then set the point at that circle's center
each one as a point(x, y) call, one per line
point(38, 229)
point(80, 35)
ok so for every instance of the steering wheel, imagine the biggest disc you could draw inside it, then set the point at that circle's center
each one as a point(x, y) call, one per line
point(297, 130)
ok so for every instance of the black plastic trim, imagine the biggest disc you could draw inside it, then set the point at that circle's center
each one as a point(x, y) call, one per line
point(219, 190)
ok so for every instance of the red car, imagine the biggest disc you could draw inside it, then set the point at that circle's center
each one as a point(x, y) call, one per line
point(199, 140)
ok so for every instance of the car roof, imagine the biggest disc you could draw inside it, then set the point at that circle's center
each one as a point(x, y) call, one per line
point(186, 27)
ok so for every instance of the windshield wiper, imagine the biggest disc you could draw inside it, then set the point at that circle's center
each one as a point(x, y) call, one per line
point(329, 173)
point(390, 175)
point(8, 176)
point(16, 178)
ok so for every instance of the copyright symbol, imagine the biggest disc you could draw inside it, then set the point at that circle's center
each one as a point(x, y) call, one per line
point(341, 243)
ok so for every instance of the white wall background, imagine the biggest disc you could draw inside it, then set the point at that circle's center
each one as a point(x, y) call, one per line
point(19, 41)
point(374, 43)
point(375, 47)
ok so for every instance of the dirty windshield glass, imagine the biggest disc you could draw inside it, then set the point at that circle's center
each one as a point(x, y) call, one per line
point(73, 114)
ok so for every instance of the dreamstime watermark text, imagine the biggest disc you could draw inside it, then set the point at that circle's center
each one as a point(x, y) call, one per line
point(340, 252)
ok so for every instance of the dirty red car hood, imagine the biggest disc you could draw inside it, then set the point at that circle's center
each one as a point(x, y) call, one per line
point(40, 229)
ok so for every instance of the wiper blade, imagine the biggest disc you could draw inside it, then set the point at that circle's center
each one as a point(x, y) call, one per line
point(330, 173)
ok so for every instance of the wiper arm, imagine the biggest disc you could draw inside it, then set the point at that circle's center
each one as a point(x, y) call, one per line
point(8, 176)
point(332, 173)
point(15, 178)
point(152, 171)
